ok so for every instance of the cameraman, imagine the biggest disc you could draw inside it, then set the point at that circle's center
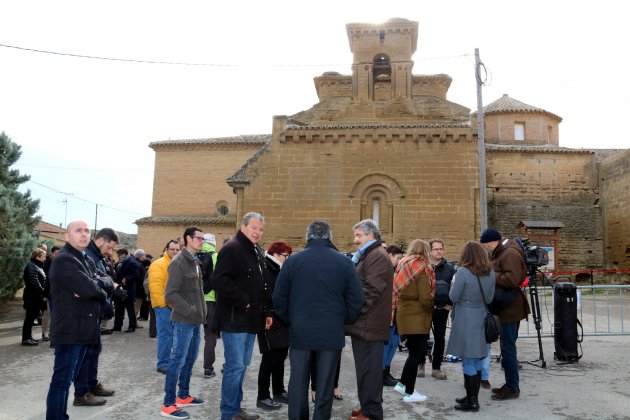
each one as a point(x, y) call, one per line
point(509, 266)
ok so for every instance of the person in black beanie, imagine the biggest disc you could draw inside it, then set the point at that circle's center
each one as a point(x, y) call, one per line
point(509, 266)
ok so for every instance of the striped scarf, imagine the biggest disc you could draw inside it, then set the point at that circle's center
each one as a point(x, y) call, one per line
point(406, 272)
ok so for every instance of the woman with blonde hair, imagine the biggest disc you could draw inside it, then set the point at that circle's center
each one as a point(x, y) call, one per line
point(412, 305)
point(468, 339)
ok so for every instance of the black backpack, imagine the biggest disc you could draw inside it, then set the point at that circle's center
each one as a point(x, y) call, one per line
point(207, 267)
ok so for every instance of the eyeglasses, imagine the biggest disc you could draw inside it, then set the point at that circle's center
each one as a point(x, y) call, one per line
point(173, 249)
point(198, 237)
point(437, 249)
point(284, 255)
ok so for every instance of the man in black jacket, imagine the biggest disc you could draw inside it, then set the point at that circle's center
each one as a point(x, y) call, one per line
point(317, 292)
point(444, 272)
point(88, 391)
point(76, 298)
point(238, 282)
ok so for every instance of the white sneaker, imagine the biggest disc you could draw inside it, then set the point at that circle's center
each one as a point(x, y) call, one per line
point(400, 388)
point(415, 397)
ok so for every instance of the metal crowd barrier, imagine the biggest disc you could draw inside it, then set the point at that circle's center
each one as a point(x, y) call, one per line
point(603, 310)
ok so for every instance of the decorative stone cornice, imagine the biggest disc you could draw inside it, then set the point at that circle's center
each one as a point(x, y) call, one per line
point(187, 220)
point(243, 140)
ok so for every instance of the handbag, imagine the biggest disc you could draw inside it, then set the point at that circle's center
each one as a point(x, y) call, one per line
point(491, 324)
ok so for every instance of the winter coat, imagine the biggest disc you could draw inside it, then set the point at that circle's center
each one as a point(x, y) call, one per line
point(375, 272)
point(467, 338)
point(415, 306)
point(238, 281)
point(129, 270)
point(444, 272)
point(317, 292)
point(510, 269)
point(184, 289)
point(34, 285)
point(158, 274)
point(104, 281)
point(277, 336)
point(76, 298)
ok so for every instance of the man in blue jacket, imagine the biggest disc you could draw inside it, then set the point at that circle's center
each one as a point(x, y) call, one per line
point(76, 298)
point(317, 292)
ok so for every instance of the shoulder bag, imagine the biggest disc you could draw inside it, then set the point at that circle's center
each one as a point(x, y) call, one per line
point(491, 324)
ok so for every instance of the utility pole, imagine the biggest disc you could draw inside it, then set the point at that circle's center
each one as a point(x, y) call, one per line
point(481, 146)
point(96, 220)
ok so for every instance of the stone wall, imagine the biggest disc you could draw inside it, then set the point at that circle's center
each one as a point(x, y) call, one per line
point(152, 238)
point(425, 188)
point(614, 175)
point(499, 128)
point(525, 184)
point(190, 178)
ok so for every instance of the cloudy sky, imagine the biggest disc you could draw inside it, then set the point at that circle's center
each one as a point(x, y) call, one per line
point(201, 69)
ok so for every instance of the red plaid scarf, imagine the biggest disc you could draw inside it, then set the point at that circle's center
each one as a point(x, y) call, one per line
point(406, 272)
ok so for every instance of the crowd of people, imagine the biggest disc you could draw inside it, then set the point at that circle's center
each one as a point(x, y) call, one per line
point(297, 305)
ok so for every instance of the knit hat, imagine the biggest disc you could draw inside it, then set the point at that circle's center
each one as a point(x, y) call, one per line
point(139, 253)
point(209, 238)
point(490, 235)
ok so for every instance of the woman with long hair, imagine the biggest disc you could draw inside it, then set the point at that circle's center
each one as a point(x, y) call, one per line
point(467, 339)
point(412, 305)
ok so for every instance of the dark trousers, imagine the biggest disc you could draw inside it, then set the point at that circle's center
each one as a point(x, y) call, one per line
point(68, 359)
point(144, 308)
point(209, 337)
point(272, 369)
point(325, 363)
point(119, 313)
point(27, 328)
point(368, 356)
point(314, 375)
point(152, 326)
point(417, 345)
point(440, 317)
point(87, 378)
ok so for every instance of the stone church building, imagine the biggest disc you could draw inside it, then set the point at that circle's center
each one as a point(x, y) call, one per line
point(387, 144)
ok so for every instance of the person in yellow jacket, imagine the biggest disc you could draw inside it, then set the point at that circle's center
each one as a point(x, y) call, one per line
point(208, 258)
point(158, 275)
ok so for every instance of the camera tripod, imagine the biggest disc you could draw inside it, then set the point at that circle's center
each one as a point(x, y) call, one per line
point(533, 294)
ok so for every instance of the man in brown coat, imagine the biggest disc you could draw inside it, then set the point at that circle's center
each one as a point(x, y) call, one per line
point(372, 328)
point(510, 269)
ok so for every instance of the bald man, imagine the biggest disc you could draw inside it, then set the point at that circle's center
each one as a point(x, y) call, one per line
point(76, 297)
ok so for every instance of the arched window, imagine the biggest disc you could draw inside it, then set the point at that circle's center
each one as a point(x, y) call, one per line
point(382, 66)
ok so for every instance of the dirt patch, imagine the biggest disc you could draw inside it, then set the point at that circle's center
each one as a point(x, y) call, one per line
point(9, 305)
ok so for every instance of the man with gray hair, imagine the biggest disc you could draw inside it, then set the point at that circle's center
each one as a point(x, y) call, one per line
point(317, 292)
point(238, 282)
point(372, 328)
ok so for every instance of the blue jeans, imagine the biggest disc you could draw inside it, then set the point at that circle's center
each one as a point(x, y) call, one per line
point(186, 339)
point(509, 334)
point(164, 327)
point(390, 347)
point(237, 351)
point(87, 377)
point(485, 366)
point(470, 366)
point(68, 360)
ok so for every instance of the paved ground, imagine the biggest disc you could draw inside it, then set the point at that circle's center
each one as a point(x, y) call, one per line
point(597, 387)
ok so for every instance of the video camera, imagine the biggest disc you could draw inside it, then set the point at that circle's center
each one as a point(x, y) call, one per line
point(533, 255)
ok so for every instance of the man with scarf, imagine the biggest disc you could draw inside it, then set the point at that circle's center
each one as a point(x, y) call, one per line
point(372, 327)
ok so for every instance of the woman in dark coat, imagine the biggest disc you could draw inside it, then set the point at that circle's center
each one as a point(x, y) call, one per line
point(467, 339)
point(34, 289)
point(273, 341)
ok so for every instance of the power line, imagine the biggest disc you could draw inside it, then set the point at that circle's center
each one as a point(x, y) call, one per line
point(84, 200)
point(179, 63)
